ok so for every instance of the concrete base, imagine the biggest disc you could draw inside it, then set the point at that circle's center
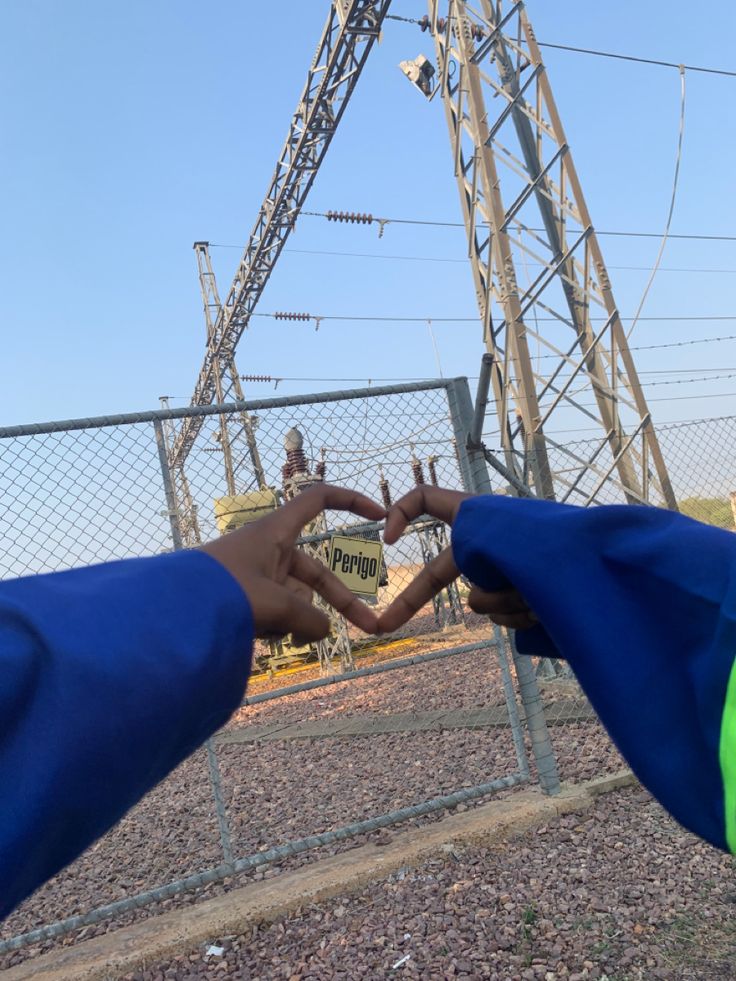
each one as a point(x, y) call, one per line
point(160, 937)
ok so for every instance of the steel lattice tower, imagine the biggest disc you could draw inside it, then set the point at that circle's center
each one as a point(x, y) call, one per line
point(351, 30)
point(538, 269)
point(556, 352)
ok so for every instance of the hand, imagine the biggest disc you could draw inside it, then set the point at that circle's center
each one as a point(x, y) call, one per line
point(505, 607)
point(278, 578)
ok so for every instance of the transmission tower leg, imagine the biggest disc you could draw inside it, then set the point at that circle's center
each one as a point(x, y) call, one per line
point(247, 424)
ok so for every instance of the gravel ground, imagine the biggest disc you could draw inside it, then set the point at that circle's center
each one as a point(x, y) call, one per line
point(619, 893)
point(389, 649)
point(277, 791)
point(421, 629)
point(466, 680)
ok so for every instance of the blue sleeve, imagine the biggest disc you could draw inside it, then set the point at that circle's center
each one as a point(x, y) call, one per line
point(642, 603)
point(109, 677)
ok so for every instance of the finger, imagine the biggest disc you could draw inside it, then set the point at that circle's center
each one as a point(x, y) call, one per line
point(297, 641)
point(288, 613)
point(299, 588)
point(507, 608)
point(318, 577)
point(501, 601)
point(440, 572)
point(514, 621)
point(305, 507)
point(436, 501)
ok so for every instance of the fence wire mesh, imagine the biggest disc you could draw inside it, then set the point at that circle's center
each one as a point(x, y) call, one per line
point(93, 492)
point(701, 461)
point(78, 494)
point(701, 456)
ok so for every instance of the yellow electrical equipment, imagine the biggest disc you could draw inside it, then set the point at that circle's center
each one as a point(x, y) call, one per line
point(240, 509)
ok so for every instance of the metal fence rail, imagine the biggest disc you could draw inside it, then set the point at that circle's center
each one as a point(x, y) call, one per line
point(276, 854)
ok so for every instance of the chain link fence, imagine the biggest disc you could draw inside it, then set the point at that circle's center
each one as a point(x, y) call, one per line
point(440, 715)
point(701, 456)
point(76, 493)
point(701, 461)
point(81, 493)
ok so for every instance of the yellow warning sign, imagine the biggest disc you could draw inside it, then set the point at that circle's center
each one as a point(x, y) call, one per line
point(357, 563)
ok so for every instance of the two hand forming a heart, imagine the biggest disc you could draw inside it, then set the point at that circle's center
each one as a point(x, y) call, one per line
point(279, 578)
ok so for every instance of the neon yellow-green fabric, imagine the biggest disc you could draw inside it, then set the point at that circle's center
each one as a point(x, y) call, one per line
point(727, 757)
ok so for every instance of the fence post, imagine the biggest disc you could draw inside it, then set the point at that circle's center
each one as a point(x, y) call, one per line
point(475, 476)
point(512, 706)
point(171, 508)
point(471, 461)
point(536, 721)
point(212, 763)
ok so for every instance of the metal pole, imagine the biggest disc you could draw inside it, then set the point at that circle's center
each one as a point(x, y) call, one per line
point(522, 489)
point(471, 459)
point(212, 765)
point(171, 508)
point(473, 463)
point(216, 784)
point(531, 698)
point(481, 399)
point(517, 733)
point(192, 411)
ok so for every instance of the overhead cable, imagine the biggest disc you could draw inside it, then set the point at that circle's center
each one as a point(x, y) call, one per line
point(462, 261)
point(368, 219)
point(671, 211)
point(423, 23)
point(643, 61)
point(462, 320)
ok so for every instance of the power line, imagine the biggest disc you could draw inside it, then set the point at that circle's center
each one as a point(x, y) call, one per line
point(670, 213)
point(690, 381)
point(277, 379)
point(423, 23)
point(635, 58)
point(682, 371)
point(718, 374)
point(639, 347)
point(686, 343)
point(360, 318)
point(464, 261)
point(661, 427)
point(369, 219)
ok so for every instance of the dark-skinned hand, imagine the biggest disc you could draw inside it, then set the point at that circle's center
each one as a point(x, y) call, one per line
point(279, 578)
point(506, 607)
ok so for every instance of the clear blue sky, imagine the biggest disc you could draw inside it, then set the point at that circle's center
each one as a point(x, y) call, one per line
point(130, 130)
